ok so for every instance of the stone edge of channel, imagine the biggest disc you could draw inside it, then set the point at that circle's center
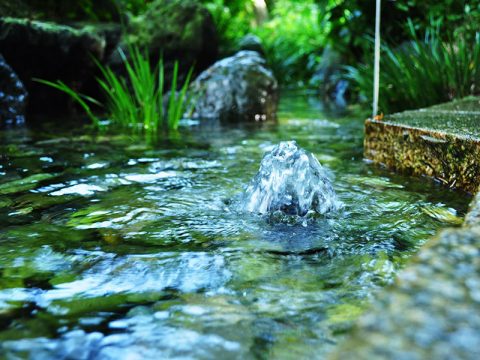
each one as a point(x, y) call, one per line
point(432, 310)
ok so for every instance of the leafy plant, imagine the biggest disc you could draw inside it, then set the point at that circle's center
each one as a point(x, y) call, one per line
point(348, 21)
point(233, 20)
point(292, 35)
point(422, 72)
point(137, 101)
point(293, 39)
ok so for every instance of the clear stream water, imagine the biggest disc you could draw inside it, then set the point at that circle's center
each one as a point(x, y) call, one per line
point(112, 249)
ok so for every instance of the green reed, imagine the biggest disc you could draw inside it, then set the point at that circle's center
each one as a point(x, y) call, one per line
point(136, 101)
point(425, 71)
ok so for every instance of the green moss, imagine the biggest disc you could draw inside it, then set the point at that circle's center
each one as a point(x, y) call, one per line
point(9, 24)
point(458, 118)
point(171, 15)
point(24, 184)
point(344, 313)
point(442, 142)
point(90, 10)
point(470, 103)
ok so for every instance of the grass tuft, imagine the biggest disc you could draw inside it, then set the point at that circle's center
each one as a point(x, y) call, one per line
point(135, 102)
point(423, 72)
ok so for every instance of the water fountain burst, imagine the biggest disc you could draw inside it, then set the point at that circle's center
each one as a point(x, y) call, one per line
point(290, 181)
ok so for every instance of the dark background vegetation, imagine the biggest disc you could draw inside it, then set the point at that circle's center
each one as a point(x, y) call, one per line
point(303, 38)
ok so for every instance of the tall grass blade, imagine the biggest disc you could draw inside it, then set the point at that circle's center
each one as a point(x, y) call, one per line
point(137, 101)
point(77, 97)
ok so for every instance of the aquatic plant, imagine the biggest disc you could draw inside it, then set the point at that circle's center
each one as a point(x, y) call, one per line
point(137, 101)
point(422, 72)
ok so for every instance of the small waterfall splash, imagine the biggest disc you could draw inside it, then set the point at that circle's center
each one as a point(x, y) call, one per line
point(290, 181)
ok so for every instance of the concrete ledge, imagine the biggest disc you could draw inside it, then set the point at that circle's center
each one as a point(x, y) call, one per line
point(442, 142)
point(432, 311)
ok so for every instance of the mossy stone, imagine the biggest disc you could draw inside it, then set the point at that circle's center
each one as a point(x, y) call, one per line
point(442, 142)
point(239, 88)
point(181, 30)
point(36, 49)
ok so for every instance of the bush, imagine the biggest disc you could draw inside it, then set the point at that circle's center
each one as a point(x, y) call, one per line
point(423, 72)
point(352, 21)
point(233, 20)
point(292, 35)
point(293, 39)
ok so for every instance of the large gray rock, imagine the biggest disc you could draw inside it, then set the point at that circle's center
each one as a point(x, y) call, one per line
point(181, 30)
point(50, 51)
point(239, 88)
point(12, 95)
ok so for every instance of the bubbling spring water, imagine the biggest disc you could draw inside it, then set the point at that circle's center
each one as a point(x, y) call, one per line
point(290, 181)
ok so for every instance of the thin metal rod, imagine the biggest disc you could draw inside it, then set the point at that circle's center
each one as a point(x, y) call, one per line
point(376, 76)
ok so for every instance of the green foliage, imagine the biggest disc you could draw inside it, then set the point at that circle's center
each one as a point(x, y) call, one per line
point(292, 35)
point(233, 19)
point(352, 21)
point(293, 39)
point(137, 102)
point(425, 71)
point(70, 10)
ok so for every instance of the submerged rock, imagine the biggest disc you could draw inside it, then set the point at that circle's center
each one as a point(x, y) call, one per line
point(292, 181)
point(238, 88)
point(12, 95)
point(181, 30)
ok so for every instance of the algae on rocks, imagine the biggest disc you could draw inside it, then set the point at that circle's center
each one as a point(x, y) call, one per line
point(180, 30)
point(441, 141)
point(37, 49)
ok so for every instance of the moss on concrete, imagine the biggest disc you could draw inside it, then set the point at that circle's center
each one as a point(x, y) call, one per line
point(442, 142)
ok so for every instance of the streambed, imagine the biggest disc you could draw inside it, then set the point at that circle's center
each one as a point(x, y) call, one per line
point(112, 249)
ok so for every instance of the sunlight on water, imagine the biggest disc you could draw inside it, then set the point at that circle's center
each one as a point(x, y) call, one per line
point(111, 249)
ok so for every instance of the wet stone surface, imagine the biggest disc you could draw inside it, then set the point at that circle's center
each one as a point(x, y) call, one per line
point(240, 88)
point(458, 118)
point(13, 96)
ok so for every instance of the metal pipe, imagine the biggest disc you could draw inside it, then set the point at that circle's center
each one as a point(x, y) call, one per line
point(376, 75)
